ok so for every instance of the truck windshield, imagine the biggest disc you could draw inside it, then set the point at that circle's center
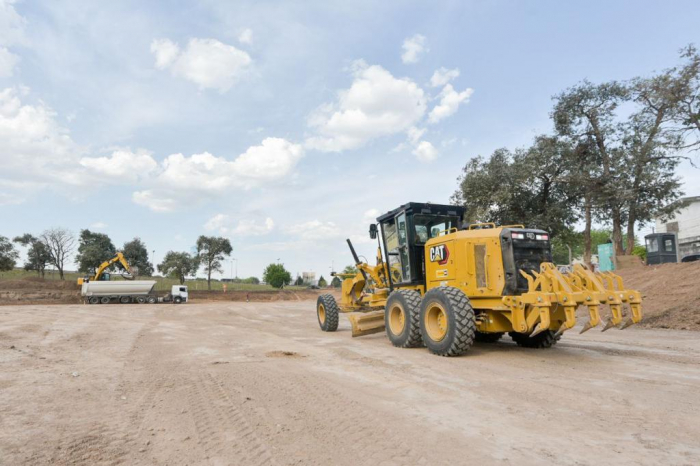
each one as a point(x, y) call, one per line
point(431, 226)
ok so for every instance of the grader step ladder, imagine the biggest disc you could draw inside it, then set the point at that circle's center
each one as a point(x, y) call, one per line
point(444, 287)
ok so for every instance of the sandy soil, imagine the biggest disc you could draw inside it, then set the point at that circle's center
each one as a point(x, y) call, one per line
point(259, 383)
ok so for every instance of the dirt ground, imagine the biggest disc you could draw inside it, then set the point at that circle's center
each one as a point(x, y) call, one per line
point(259, 383)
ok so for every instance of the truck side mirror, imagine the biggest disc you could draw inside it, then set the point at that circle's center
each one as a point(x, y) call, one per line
point(373, 231)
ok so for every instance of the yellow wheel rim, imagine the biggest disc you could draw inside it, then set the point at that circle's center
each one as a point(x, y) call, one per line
point(436, 322)
point(397, 319)
point(321, 314)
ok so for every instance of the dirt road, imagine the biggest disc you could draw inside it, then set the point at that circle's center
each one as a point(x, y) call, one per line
point(259, 383)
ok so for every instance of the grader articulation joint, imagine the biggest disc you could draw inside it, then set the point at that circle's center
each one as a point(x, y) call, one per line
point(444, 287)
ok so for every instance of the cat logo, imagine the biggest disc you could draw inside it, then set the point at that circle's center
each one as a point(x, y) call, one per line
point(439, 254)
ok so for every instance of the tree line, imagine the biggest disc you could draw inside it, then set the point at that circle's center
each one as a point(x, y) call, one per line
point(611, 159)
point(55, 246)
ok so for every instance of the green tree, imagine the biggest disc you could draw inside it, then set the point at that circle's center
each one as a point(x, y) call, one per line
point(350, 269)
point(322, 283)
point(136, 255)
point(8, 255)
point(276, 275)
point(178, 265)
point(299, 281)
point(251, 281)
point(93, 249)
point(530, 186)
point(211, 251)
point(37, 254)
point(336, 282)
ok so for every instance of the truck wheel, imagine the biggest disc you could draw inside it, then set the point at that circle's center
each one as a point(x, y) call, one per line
point(93, 300)
point(141, 299)
point(488, 337)
point(402, 319)
point(125, 299)
point(447, 321)
point(327, 313)
point(152, 300)
point(105, 300)
point(541, 340)
point(177, 300)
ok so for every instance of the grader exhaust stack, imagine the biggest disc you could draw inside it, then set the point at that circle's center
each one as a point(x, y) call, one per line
point(444, 287)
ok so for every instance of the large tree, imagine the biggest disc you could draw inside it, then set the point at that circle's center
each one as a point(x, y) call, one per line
point(211, 251)
point(37, 254)
point(136, 254)
point(60, 244)
point(8, 255)
point(178, 265)
point(530, 186)
point(93, 249)
point(276, 275)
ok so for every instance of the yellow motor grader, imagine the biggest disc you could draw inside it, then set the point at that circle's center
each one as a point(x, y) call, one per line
point(445, 287)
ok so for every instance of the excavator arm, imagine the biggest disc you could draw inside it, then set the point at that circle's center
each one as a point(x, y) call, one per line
point(119, 257)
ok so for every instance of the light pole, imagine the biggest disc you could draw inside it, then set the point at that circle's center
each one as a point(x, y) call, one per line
point(153, 255)
point(233, 259)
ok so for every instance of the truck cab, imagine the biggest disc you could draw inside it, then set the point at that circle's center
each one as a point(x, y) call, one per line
point(179, 294)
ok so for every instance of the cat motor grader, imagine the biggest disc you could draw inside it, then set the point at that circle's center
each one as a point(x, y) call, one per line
point(443, 287)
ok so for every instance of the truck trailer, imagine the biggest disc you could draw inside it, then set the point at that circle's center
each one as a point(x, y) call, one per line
point(126, 292)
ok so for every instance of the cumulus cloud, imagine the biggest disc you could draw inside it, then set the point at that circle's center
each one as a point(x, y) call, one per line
point(376, 104)
point(34, 147)
point(314, 230)
point(11, 33)
point(98, 226)
point(425, 151)
point(443, 76)
point(246, 36)
point(450, 100)
point(122, 165)
point(226, 226)
point(205, 175)
point(206, 62)
point(413, 49)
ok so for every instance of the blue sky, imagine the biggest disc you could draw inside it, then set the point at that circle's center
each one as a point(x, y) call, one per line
point(296, 122)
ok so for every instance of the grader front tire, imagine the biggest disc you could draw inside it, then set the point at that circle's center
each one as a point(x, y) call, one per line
point(402, 319)
point(327, 312)
point(544, 339)
point(447, 321)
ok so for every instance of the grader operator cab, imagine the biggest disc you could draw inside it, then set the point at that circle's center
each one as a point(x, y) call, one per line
point(442, 286)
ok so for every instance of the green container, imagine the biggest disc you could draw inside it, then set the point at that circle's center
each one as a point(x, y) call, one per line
point(605, 257)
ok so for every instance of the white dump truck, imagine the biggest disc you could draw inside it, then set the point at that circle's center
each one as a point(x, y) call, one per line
point(129, 291)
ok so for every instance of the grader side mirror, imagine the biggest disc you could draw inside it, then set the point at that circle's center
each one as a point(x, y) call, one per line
point(373, 231)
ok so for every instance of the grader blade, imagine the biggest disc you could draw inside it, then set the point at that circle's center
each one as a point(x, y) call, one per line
point(366, 323)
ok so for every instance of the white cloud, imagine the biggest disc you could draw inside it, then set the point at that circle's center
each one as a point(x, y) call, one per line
point(246, 36)
point(376, 104)
point(206, 62)
point(370, 216)
point(98, 226)
point(425, 152)
point(413, 49)
point(450, 100)
point(122, 165)
point(226, 225)
point(8, 60)
point(315, 230)
point(414, 134)
point(443, 76)
point(205, 175)
point(34, 147)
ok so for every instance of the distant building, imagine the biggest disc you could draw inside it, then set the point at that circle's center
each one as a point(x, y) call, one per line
point(686, 225)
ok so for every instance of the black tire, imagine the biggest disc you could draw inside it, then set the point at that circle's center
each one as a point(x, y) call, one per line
point(488, 337)
point(125, 299)
point(105, 300)
point(544, 339)
point(402, 319)
point(177, 300)
point(327, 313)
point(141, 299)
point(458, 318)
point(94, 300)
point(152, 300)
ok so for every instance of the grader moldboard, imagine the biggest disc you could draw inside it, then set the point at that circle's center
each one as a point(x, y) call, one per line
point(444, 287)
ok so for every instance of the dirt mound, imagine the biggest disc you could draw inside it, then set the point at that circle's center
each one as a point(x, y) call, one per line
point(35, 290)
point(257, 296)
point(671, 294)
point(36, 283)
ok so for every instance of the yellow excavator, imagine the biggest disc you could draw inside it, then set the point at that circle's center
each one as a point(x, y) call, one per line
point(444, 286)
point(129, 271)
